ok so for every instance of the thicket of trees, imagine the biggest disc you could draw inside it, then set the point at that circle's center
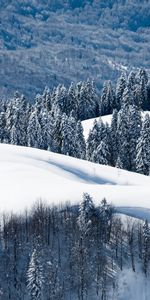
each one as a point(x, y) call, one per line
point(53, 122)
point(55, 253)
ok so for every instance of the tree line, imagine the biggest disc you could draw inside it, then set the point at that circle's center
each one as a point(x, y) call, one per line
point(69, 252)
point(53, 122)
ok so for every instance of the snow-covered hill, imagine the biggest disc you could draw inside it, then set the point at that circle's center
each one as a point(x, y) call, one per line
point(27, 175)
point(88, 124)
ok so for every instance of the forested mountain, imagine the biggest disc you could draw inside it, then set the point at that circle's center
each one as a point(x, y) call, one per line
point(50, 42)
point(53, 122)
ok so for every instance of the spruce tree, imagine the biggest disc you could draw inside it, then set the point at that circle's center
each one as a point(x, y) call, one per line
point(143, 148)
point(101, 155)
point(123, 138)
point(34, 131)
point(87, 101)
point(120, 87)
point(96, 135)
point(107, 102)
point(35, 276)
point(114, 137)
point(80, 141)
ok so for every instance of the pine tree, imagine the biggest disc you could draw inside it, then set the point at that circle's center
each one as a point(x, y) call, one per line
point(34, 131)
point(60, 100)
point(96, 135)
point(143, 148)
point(127, 97)
point(72, 101)
point(107, 102)
point(131, 80)
point(120, 87)
point(86, 211)
point(134, 125)
point(123, 138)
point(3, 128)
point(114, 137)
point(47, 99)
point(10, 112)
point(80, 141)
point(68, 129)
point(35, 276)
point(87, 101)
point(56, 141)
point(101, 155)
point(140, 90)
point(84, 221)
point(142, 74)
point(18, 131)
point(146, 245)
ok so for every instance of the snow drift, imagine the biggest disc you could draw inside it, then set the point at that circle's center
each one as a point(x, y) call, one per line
point(27, 175)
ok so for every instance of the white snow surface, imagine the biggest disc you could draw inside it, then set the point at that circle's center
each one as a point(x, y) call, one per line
point(88, 124)
point(27, 175)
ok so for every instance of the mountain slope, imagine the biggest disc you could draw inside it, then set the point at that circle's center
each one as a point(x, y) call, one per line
point(88, 124)
point(63, 41)
point(27, 175)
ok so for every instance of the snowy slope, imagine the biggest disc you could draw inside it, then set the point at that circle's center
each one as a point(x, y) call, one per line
point(28, 174)
point(88, 124)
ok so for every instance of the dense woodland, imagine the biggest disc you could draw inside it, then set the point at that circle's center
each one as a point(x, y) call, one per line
point(53, 122)
point(55, 253)
point(47, 42)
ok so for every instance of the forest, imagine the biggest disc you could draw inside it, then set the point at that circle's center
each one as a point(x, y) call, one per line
point(47, 42)
point(54, 121)
point(69, 252)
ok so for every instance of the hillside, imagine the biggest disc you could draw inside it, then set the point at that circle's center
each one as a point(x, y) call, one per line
point(88, 124)
point(62, 41)
point(27, 175)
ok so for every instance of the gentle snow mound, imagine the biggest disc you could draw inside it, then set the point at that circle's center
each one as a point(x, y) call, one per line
point(27, 175)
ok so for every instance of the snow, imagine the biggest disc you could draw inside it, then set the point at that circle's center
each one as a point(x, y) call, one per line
point(28, 174)
point(88, 124)
point(133, 285)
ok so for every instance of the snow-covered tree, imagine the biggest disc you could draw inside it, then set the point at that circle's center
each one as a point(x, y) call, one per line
point(134, 125)
point(146, 245)
point(143, 148)
point(35, 276)
point(47, 99)
point(68, 129)
point(80, 141)
point(120, 87)
point(107, 102)
point(60, 99)
point(87, 101)
point(114, 137)
point(131, 80)
point(72, 100)
point(3, 128)
point(96, 135)
point(86, 210)
point(34, 131)
point(101, 155)
point(123, 138)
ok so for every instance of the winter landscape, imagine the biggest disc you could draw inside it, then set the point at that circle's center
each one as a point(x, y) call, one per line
point(74, 150)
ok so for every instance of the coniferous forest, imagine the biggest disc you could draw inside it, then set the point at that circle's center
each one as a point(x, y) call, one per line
point(53, 121)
